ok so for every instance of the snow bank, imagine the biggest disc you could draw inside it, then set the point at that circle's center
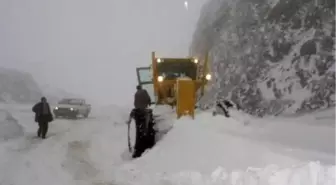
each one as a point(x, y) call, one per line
point(198, 152)
point(9, 127)
point(200, 145)
point(312, 173)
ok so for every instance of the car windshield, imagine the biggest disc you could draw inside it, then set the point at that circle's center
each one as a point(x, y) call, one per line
point(171, 70)
point(70, 101)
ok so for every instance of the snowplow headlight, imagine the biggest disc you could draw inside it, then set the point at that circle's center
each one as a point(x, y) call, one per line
point(195, 60)
point(158, 60)
point(160, 78)
point(208, 77)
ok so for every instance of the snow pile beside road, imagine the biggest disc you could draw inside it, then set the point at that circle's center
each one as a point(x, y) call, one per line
point(200, 145)
point(312, 173)
point(9, 126)
point(197, 152)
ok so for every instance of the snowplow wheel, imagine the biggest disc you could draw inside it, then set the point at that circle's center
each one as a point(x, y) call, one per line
point(148, 134)
point(131, 134)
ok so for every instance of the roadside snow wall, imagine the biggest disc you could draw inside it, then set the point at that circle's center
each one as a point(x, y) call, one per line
point(9, 126)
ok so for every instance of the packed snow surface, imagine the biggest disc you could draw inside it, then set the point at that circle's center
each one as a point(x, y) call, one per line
point(205, 151)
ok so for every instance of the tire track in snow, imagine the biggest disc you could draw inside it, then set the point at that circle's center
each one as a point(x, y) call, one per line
point(78, 162)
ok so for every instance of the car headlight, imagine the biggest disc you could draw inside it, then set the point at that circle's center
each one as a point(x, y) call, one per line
point(195, 60)
point(72, 109)
point(208, 77)
point(158, 60)
point(160, 78)
point(56, 108)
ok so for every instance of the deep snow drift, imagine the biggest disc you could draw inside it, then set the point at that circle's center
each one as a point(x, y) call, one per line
point(207, 150)
point(210, 151)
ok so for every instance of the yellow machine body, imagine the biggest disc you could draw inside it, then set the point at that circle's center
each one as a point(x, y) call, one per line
point(185, 97)
point(176, 82)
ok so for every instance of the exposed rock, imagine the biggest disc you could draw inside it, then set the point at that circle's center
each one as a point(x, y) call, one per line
point(269, 56)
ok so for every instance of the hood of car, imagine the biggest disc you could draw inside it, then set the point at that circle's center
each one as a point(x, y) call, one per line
point(66, 106)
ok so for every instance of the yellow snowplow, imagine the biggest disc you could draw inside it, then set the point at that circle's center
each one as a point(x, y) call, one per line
point(175, 81)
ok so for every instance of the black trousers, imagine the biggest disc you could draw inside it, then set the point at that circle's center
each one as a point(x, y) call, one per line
point(43, 129)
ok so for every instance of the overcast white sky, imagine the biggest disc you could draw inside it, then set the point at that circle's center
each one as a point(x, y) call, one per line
point(92, 47)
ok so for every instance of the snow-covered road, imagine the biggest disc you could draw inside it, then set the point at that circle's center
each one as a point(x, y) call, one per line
point(93, 151)
point(64, 157)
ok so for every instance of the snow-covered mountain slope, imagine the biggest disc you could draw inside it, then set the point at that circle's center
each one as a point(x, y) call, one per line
point(270, 56)
point(55, 94)
point(198, 152)
point(18, 86)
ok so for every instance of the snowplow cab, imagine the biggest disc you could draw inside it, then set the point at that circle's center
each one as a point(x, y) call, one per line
point(175, 82)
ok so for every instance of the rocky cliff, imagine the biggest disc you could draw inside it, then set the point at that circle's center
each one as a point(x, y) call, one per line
point(270, 56)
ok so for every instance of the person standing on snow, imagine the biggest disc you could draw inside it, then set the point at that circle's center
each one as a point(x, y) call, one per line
point(43, 116)
point(141, 98)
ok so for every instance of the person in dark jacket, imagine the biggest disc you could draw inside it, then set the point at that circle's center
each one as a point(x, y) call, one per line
point(145, 133)
point(43, 116)
point(141, 98)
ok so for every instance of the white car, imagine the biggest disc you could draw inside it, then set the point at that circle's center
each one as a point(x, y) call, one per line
point(72, 108)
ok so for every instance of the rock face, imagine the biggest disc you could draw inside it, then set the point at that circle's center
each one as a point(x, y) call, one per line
point(18, 87)
point(270, 56)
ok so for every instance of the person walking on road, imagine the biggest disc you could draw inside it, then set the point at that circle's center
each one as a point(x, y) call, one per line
point(43, 116)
